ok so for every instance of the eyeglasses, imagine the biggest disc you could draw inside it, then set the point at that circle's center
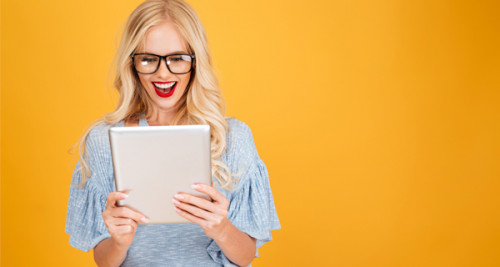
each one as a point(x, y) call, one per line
point(176, 63)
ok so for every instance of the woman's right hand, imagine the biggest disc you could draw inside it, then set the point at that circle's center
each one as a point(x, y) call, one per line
point(121, 221)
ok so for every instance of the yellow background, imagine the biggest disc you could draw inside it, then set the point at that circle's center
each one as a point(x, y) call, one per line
point(378, 122)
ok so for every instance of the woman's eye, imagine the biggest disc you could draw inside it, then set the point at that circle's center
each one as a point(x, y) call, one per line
point(176, 59)
point(148, 60)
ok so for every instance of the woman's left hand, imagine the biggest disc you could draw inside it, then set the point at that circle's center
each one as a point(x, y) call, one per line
point(211, 216)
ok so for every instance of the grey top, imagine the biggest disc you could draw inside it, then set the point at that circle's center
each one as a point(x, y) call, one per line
point(251, 207)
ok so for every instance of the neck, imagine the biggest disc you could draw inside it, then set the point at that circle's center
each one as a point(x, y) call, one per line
point(161, 118)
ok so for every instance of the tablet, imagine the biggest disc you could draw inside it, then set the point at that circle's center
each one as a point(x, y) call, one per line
point(154, 163)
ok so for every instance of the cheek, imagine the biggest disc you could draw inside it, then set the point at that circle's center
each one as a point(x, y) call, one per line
point(144, 81)
point(185, 81)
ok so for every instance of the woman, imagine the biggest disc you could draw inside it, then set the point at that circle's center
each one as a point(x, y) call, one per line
point(165, 77)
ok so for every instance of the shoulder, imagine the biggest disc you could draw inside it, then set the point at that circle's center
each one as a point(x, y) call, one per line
point(98, 136)
point(241, 155)
point(239, 138)
point(99, 131)
point(97, 140)
point(236, 125)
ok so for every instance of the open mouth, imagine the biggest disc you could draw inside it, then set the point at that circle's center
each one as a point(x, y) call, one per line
point(164, 89)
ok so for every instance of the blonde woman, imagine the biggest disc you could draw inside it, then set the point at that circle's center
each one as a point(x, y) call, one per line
point(164, 77)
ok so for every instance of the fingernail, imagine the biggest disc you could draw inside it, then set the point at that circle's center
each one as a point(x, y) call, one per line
point(178, 196)
point(195, 186)
point(124, 195)
point(144, 220)
point(175, 201)
point(178, 210)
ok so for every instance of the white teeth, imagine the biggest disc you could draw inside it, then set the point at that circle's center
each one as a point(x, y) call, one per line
point(164, 85)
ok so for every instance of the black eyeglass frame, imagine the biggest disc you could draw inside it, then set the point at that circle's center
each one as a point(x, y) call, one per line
point(165, 59)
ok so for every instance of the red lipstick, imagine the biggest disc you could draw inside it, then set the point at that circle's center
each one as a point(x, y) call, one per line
point(165, 92)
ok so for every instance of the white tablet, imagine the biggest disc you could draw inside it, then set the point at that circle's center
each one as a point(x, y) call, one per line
point(154, 163)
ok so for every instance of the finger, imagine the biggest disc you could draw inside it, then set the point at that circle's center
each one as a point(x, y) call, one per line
point(190, 217)
point(200, 213)
point(122, 221)
point(113, 197)
point(210, 191)
point(124, 212)
point(123, 229)
point(196, 201)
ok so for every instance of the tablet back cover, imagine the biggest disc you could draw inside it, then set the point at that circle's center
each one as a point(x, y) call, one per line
point(154, 163)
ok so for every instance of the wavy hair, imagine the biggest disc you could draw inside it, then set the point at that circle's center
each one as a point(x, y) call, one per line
point(202, 103)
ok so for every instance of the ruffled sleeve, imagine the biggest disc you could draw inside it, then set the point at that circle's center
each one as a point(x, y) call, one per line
point(251, 207)
point(84, 222)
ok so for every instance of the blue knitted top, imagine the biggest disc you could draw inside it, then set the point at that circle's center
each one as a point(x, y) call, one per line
point(251, 207)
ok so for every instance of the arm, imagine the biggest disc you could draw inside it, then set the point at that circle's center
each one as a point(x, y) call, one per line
point(122, 224)
point(109, 253)
point(212, 217)
point(236, 245)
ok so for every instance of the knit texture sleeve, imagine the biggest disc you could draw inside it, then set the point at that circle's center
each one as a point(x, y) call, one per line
point(84, 222)
point(251, 207)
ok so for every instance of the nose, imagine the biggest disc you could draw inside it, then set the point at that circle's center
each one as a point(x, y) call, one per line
point(163, 71)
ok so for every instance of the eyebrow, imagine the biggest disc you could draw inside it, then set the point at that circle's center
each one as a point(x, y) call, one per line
point(174, 52)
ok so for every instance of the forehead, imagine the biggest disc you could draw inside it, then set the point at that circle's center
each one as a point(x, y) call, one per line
point(163, 39)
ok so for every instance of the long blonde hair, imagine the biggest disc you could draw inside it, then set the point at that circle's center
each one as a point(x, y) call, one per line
point(201, 104)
